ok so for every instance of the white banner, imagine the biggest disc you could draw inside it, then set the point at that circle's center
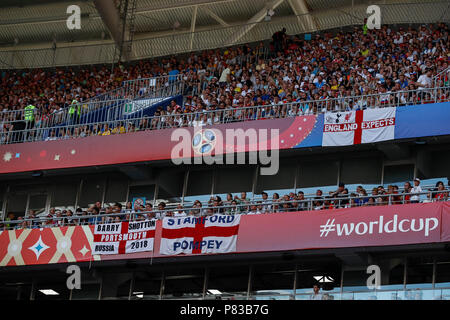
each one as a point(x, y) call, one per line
point(190, 235)
point(356, 127)
point(124, 237)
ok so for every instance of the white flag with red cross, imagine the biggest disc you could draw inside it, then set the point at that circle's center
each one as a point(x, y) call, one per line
point(356, 127)
point(191, 235)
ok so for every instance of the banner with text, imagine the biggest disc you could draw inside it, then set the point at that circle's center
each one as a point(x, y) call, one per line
point(190, 235)
point(124, 237)
point(356, 127)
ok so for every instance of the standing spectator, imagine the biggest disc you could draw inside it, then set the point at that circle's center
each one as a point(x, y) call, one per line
point(279, 38)
point(242, 201)
point(316, 293)
point(265, 203)
point(339, 193)
point(302, 204)
point(416, 189)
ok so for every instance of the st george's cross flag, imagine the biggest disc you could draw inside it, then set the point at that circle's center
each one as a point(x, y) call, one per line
point(356, 127)
point(191, 235)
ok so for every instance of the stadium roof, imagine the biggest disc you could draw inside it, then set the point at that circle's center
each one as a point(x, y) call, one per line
point(33, 33)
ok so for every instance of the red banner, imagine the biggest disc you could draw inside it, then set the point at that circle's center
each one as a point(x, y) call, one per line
point(445, 230)
point(340, 228)
point(355, 227)
point(153, 145)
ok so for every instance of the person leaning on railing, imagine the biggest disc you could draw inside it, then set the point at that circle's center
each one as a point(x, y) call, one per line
point(439, 193)
point(416, 189)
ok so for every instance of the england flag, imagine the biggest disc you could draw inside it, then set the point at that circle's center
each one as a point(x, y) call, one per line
point(356, 127)
point(191, 235)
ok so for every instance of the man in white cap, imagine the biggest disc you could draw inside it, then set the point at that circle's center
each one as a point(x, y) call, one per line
point(416, 189)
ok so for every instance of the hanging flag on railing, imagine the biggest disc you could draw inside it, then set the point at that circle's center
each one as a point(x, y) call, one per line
point(357, 127)
point(191, 235)
point(124, 237)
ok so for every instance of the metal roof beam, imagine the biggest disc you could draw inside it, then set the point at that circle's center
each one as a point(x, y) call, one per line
point(258, 17)
point(182, 5)
point(112, 20)
point(215, 17)
point(304, 18)
point(193, 22)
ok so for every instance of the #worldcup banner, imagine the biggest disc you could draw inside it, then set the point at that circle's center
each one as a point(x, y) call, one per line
point(356, 127)
point(124, 237)
point(190, 235)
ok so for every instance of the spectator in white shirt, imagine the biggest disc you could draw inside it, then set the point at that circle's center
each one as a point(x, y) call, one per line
point(416, 189)
point(316, 294)
point(424, 80)
point(179, 212)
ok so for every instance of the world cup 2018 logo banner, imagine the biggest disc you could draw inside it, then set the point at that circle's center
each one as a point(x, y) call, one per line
point(204, 141)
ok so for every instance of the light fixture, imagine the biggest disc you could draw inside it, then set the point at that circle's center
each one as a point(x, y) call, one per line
point(49, 292)
point(269, 15)
point(37, 174)
point(214, 291)
point(323, 278)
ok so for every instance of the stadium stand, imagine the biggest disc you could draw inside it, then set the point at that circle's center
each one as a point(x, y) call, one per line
point(286, 240)
point(333, 72)
point(237, 204)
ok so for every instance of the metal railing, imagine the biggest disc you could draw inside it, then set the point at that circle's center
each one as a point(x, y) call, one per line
point(421, 292)
point(72, 129)
point(248, 207)
point(442, 78)
point(133, 96)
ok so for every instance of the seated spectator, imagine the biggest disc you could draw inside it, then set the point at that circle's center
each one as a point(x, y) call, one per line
point(179, 212)
point(149, 214)
point(20, 224)
point(397, 199)
point(217, 205)
point(302, 205)
point(254, 210)
point(352, 203)
point(229, 199)
point(328, 204)
point(407, 189)
point(439, 193)
point(371, 202)
point(128, 207)
point(95, 216)
point(233, 209)
point(362, 196)
point(69, 220)
point(380, 201)
point(161, 213)
point(58, 218)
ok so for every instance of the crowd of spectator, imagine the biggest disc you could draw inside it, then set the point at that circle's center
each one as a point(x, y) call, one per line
point(237, 204)
point(329, 66)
